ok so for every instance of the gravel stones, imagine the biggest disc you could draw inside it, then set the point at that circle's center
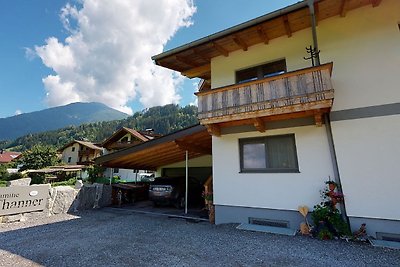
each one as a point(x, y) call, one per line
point(114, 237)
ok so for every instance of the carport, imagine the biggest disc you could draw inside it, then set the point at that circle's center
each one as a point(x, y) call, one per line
point(181, 146)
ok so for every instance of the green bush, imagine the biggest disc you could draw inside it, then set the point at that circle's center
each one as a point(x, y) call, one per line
point(3, 183)
point(106, 180)
point(37, 178)
point(70, 182)
point(95, 172)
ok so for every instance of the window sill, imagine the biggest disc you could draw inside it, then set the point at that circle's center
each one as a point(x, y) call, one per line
point(270, 171)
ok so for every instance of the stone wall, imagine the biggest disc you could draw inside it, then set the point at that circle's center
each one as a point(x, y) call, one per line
point(64, 199)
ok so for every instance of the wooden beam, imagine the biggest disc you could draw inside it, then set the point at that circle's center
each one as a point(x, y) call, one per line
point(193, 147)
point(343, 8)
point(287, 26)
point(240, 42)
point(263, 35)
point(195, 72)
point(318, 118)
point(376, 3)
point(214, 129)
point(259, 124)
point(220, 49)
point(185, 61)
point(200, 55)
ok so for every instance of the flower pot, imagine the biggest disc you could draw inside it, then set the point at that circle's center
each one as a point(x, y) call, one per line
point(331, 187)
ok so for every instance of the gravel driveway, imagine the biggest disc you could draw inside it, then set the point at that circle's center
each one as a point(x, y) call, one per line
point(110, 237)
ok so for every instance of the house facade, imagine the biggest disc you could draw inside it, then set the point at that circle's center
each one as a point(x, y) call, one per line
point(80, 153)
point(282, 127)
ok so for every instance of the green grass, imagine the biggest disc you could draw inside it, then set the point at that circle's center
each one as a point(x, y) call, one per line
point(3, 183)
point(70, 182)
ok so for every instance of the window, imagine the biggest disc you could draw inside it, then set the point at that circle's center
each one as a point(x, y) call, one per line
point(125, 140)
point(73, 149)
point(268, 154)
point(69, 159)
point(261, 71)
point(116, 170)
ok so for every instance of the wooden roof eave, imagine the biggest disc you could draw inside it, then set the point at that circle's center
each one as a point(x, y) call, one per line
point(148, 153)
point(194, 59)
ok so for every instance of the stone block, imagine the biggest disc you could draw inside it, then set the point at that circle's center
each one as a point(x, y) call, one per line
point(11, 218)
point(64, 198)
point(19, 182)
point(78, 184)
point(105, 199)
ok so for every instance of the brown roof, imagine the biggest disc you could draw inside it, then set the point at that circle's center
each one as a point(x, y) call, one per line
point(193, 59)
point(121, 132)
point(8, 156)
point(84, 143)
point(161, 151)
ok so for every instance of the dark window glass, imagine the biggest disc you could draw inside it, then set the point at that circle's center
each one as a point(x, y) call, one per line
point(268, 154)
point(262, 71)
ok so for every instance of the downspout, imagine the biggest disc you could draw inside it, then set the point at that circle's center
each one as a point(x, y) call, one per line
point(336, 174)
point(186, 180)
point(314, 30)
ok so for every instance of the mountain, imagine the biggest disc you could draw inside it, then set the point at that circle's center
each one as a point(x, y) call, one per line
point(55, 118)
point(163, 119)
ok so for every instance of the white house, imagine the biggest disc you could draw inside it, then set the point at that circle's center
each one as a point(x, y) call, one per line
point(281, 127)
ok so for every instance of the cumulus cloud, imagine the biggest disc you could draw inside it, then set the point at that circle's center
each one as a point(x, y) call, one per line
point(107, 54)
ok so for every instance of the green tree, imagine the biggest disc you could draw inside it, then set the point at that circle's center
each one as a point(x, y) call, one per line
point(3, 172)
point(38, 157)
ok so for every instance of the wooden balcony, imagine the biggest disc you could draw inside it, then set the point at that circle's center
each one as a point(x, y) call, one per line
point(121, 145)
point(89, 152)
point(302, 92)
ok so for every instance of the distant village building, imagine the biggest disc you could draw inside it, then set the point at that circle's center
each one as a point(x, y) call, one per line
point(80, 153)
point(8, 156)
point(125, 138)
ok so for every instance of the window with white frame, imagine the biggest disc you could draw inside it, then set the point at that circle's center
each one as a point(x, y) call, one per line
point(269, 154)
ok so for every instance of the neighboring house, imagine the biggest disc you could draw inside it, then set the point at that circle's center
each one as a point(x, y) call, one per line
point(282, 127)
point(167, 155)
point(122, 139)
point(80, 152)
point(8, 156)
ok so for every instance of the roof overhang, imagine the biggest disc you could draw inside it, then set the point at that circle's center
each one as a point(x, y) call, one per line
point(194, 59)
point(161, 151)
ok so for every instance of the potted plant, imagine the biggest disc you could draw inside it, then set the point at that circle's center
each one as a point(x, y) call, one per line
point(208, 198)
point(331, 185)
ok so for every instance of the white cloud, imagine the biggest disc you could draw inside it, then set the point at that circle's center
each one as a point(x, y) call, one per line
point(107, 55)
point(18, 112)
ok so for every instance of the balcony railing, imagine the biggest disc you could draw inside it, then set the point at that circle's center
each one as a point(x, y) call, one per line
point(88, 152)
point(296, 91)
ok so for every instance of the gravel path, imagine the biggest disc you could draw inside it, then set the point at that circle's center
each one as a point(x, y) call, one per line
point(110, 237)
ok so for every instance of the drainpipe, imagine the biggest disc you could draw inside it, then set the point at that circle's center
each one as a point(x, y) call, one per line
point(187, 181)
point(314, 30)
point(336, 174)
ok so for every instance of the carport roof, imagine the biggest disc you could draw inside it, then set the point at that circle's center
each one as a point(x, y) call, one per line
point(162, 151)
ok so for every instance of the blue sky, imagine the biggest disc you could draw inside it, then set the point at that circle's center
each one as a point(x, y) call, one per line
point(30, 63)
